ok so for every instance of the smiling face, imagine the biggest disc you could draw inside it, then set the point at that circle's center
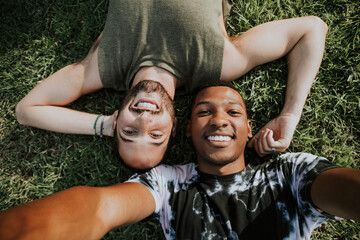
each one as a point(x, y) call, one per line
point(144, 125)
point(219, 130)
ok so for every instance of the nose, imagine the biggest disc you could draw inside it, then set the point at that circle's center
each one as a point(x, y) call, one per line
point(219, 120)
point(144, 119)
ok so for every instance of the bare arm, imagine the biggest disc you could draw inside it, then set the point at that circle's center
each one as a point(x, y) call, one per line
point(42, 106)
point(78, 213)
point(302, 40)
point(337, 191)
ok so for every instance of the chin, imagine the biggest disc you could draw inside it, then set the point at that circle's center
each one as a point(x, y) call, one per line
point(221, 160)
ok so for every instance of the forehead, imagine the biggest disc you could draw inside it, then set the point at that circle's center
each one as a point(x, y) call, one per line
point(141, 155)
point(219, 93)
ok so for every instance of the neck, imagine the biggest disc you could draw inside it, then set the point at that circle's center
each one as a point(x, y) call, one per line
point(217, 169)
point(168, 80)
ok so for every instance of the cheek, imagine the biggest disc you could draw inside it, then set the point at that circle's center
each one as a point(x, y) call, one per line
point(123, 116)
point(196, 128)
point(163, 121)
point(196, 134)
point(243, 128)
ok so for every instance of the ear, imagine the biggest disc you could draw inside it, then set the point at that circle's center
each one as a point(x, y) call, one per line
point(188, 128)
point(114, 120)
point(249, 129)
point(173, 130)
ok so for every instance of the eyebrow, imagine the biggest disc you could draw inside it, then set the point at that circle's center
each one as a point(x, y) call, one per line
point(229, 102)
point(153, 143)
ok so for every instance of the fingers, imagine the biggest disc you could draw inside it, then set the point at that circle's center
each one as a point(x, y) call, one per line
point(275, 136)
point(110, 124)
point(264, 143)
point(253, 142)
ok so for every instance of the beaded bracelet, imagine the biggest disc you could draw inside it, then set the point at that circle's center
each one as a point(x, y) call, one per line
point(97, 118)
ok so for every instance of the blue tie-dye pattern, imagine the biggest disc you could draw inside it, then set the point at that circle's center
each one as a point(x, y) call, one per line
point(165, 181)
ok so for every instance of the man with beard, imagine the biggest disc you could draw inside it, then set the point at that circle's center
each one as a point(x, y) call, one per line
point(136, 117)
point(218, 198)
point(178, 45)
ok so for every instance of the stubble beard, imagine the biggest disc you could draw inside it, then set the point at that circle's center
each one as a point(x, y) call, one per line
point(150, 86)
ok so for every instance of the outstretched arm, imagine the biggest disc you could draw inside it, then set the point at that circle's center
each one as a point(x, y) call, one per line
point(337, 191)
point(42, 106)
point(78, 213)
point(302, 40)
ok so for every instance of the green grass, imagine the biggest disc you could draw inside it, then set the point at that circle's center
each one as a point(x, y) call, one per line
point(39, 37)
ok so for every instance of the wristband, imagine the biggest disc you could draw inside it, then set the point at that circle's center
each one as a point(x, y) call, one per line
point(101, 126)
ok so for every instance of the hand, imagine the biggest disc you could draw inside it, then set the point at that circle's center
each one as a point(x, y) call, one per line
point(109, 124)
point(275, 136)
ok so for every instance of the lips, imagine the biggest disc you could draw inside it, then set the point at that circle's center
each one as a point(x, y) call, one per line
point(146, 104)
point(219, 138)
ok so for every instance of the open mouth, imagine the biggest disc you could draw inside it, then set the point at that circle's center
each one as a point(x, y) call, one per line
point(219, 138)
point(146, 104)
point(219, 141)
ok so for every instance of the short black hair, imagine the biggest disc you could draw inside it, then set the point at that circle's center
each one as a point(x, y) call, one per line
point(250, 154)
point(213, 83)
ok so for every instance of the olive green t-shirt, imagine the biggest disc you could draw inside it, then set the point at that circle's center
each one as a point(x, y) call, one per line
point(180, 36)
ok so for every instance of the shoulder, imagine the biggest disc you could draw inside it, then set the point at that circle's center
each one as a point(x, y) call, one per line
point(177, 173)
point(305, 162)
point(164, 180)
point(299, 170)
point(291, 160)
point(299, 157)
point(295, 167)
point(165, 173)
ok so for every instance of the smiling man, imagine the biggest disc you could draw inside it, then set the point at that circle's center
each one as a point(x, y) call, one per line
point(143, 130)
point(219, 129)
point(217, 198)
point(178, 44)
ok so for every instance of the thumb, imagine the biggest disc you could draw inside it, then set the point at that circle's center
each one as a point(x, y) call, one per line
point(282, 144)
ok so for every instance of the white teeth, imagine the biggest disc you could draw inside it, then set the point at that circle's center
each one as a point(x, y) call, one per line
point(146, 105)
point(219, 138)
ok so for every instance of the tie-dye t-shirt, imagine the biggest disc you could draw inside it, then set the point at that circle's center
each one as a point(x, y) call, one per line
point(267, 201)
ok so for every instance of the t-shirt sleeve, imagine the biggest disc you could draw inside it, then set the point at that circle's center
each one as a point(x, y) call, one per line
point(303, 169)
point(162, 181)
point(155, 182)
